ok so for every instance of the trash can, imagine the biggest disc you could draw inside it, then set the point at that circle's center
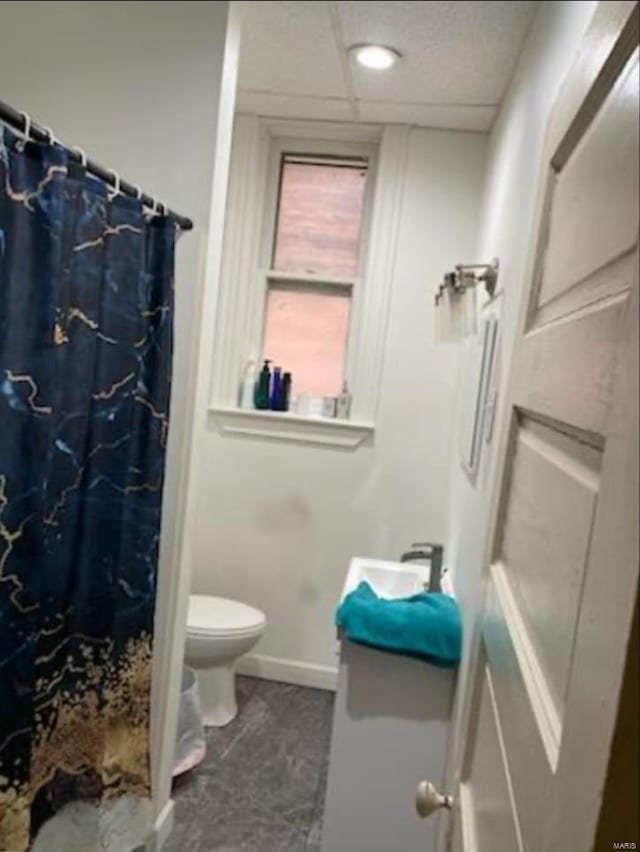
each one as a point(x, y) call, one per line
point(190, 744)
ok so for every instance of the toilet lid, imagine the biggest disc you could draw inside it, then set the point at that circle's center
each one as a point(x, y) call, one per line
point(221, 616)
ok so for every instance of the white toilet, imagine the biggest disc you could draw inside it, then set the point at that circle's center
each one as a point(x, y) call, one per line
point(218, 632)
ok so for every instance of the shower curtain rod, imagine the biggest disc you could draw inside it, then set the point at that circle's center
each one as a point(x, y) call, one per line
point(39, 133)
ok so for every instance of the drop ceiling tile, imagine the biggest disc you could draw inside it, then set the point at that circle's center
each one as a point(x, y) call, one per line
point(428, 115)
point(289, 48)
point(454, 52)
point(290, 106)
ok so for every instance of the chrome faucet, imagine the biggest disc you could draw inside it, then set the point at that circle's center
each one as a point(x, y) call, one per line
point(432, 552)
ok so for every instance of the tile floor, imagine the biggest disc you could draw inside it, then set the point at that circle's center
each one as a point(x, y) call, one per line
point(261, 786)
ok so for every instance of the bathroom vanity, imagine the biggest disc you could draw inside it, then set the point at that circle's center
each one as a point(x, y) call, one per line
point(390, 730)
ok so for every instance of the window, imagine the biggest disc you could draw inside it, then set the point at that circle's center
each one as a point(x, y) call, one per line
point(301, 281)
point(314, 265)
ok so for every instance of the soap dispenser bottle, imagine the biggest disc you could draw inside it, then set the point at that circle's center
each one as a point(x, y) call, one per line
point(248, 386)
point(263, 388)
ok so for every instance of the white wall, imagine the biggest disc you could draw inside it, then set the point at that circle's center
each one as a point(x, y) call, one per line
point(138, 86)
point(276, 522)
point(513, 175)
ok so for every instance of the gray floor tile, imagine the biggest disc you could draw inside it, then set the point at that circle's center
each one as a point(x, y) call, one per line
point(261, 786)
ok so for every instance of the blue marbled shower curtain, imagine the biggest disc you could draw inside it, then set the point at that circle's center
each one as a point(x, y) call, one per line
point(86, 304)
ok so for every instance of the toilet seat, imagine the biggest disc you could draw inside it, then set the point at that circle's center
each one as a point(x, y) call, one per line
point(212, 616)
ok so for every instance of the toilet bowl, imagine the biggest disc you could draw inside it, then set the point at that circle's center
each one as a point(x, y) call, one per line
point(218, 632)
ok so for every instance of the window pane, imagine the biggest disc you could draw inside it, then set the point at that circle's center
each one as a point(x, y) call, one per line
point(306, 334)
point(319, 217)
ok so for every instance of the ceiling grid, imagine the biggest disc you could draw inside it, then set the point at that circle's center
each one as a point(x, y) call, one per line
point(457, 59)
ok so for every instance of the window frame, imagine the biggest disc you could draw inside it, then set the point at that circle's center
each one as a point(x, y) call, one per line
point(258, 143)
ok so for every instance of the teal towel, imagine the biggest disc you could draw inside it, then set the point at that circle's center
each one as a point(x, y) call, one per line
point(426, 625)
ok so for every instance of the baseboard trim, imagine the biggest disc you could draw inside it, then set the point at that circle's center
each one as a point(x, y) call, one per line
point(289, 671)
point(161, 829)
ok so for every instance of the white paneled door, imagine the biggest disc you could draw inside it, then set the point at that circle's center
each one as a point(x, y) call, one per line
point(562, 577)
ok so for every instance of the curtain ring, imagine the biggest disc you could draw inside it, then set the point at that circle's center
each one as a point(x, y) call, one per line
point(26, 132)
point(83, 157)
point(116, 183)
point(52, 139)
point(138, 191)
point(154, 208)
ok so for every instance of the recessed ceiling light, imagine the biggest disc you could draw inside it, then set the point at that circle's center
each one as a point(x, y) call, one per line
point(375, 56)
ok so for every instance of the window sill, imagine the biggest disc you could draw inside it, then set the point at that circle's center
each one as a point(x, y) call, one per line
point(282, 426)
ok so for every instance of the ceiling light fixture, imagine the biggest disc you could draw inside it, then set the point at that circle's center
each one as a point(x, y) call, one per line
point(375, 56)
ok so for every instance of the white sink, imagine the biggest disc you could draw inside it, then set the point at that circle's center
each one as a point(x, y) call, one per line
point(390, 579)
point(387, 579)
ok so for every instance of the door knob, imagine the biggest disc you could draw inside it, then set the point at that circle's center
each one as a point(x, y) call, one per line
point(428, 799)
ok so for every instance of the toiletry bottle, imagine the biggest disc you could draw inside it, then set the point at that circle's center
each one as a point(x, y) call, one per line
point(285, 395)
point(343, 403)
point(275, 400)
point(263, 387)
point(248, 387)
point(329, 406)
